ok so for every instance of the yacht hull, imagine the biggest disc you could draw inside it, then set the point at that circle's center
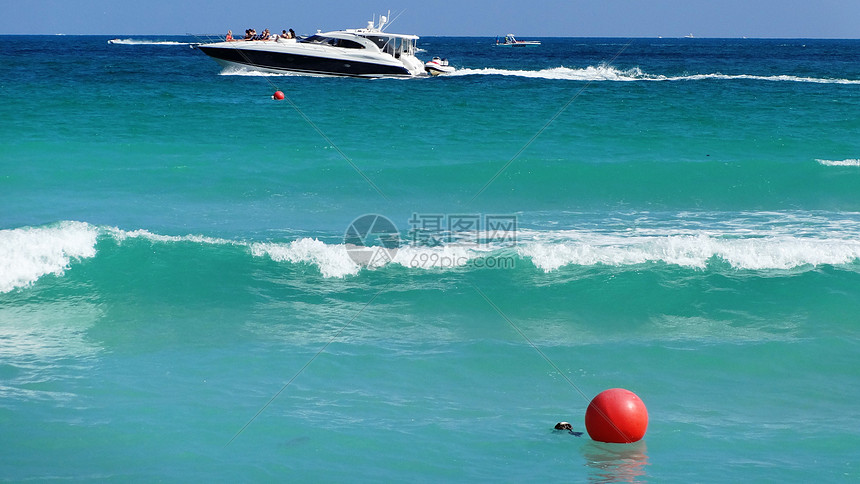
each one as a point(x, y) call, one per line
point(284, 58)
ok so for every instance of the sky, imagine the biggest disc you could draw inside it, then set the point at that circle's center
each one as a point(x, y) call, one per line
point(536, 18)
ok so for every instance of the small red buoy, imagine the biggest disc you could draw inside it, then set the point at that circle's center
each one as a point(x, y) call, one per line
point(616, 416)
point(278, 96)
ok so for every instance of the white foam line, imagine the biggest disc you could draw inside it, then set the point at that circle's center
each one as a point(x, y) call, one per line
point(238, 71)
point(332, 260)
point(693, 251)
point(121, 235)
point(591, 73)
point(29, 253)
point(145, 42)
point(780, 242)
point(608, 73)
point(849, 162)
point(780, 78)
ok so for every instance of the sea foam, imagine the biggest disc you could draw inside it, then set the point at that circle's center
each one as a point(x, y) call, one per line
point(338, 260)
point(551, 251)
point(122, 235)
point(693, 251)
point(590, 73)
point(332, 259)
point(250, 72)
point(849, 162)
point(145, 42)
point(604, 72)
point(26, 254)
point(765, 242)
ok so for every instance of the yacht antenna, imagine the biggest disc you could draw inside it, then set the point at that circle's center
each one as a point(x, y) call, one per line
point(395, 17)
point(382, 21)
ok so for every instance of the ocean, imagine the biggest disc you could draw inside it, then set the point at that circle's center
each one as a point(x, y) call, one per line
point(416, 279)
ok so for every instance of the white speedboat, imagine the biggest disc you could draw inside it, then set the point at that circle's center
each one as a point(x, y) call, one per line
point(437, 66)
point(367, 52)
point(512, 41)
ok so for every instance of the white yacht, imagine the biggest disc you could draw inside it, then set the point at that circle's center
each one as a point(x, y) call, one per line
point(367, 52)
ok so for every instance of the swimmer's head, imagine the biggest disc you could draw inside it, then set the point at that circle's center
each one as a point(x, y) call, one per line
point(563, 426)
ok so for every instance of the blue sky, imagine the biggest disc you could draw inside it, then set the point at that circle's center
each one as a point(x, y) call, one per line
point(570, 18)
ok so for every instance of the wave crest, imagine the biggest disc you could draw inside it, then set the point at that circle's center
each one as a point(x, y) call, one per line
point(26, 254)
point(337, 260)
point(333, 260)
point(781, 242)
point(694, 251)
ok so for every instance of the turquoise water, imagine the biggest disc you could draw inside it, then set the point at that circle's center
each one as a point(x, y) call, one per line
point(177, 302)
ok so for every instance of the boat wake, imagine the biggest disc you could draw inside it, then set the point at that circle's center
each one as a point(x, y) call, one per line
point(608, 73)
point(146, 42)
point(591, 73)
point(250, 72)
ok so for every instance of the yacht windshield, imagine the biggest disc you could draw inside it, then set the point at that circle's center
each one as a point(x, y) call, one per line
point(332, 41)
point(384, 43)
point(395, 46)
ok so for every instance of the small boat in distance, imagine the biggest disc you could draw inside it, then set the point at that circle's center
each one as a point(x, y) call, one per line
point(512, 41)
point(438, 66)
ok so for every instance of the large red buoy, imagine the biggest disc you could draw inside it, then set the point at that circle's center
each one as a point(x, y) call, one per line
point(278, 96)
point(617, 416)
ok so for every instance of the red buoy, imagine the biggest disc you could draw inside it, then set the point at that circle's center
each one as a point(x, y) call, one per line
point(278, 96)
point(617, 416)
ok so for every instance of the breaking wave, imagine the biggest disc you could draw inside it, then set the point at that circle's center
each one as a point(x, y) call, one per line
point(787, 242)
point(26, 254)
point(694, 251)
point(332, 259)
